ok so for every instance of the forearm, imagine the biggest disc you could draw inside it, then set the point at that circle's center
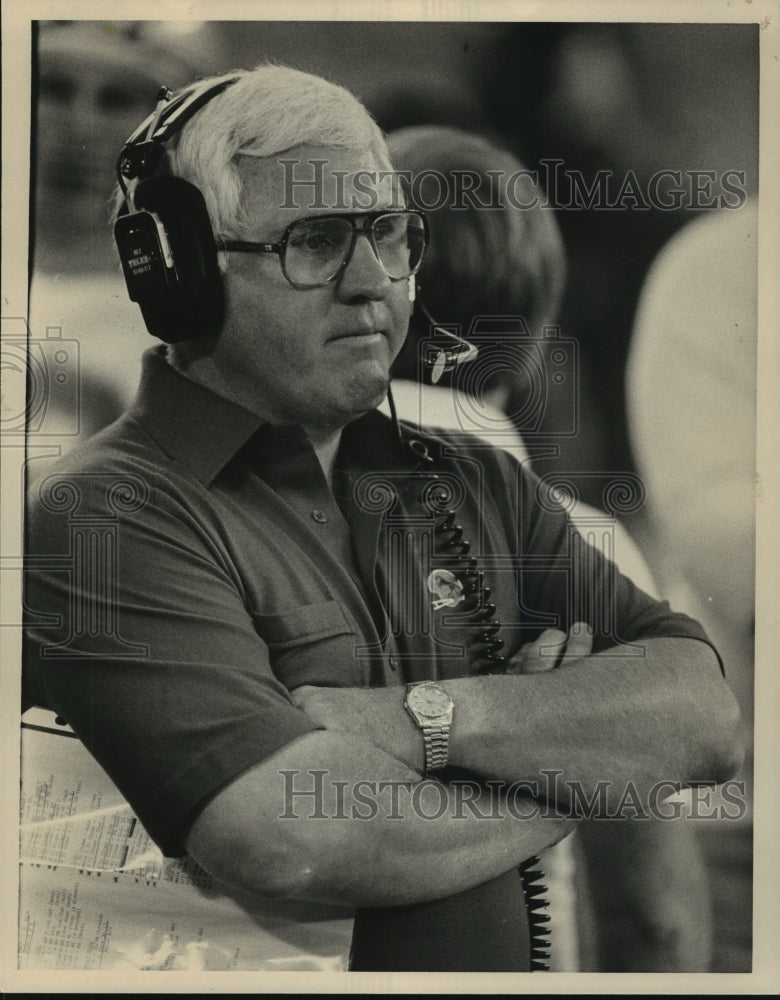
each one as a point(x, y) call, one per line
point(354, 826)
point(665, 716)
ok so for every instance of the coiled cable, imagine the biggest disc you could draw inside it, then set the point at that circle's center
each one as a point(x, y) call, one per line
point(485, 658)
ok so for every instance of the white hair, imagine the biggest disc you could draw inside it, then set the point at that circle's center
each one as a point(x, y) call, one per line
point(269, 110)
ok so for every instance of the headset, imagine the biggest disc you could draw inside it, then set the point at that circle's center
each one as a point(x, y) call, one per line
point(166, 244)
point(163, 232)
point(445, 357)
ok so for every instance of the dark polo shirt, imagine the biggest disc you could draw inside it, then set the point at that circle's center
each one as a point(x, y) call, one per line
point(190, 565)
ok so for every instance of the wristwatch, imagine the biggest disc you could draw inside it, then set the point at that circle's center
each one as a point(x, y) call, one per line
point(431, 708)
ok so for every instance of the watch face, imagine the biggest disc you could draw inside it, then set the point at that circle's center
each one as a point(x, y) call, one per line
point(430, 701)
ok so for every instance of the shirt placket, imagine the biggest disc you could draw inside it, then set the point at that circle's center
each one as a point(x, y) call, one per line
point(294, 472)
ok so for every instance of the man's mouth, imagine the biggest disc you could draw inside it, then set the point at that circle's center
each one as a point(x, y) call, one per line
point(363, 333)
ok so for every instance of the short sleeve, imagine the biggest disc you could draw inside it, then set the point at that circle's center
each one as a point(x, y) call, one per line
point(140, 639)
point(572, 580)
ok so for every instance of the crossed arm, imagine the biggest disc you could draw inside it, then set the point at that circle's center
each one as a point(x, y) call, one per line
point(362, 830)
point(312, 833)
point(666, 717)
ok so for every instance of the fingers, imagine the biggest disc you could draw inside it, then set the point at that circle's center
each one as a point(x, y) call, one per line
point(580, 642)
point(541, 654)
point(298, 695)
point(551, 649)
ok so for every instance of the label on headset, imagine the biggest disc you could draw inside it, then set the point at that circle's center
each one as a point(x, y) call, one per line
point(147, 261)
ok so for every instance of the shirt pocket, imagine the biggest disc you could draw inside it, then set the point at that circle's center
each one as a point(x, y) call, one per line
point(311, 644)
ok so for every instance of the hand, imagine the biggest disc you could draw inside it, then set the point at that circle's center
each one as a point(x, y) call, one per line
point(544, 653)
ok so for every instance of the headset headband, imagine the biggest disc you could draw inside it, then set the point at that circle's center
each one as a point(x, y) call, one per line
point(143, 150)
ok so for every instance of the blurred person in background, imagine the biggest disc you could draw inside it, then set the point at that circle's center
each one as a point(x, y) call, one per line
point(693, 422)
point(643, 905)
point(691, 390)
point(628, 99)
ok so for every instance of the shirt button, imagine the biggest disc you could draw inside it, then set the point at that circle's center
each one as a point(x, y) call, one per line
point(394, 661)
point(319, 516)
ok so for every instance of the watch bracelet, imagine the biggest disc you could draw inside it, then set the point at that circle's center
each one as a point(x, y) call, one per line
point(436, 741)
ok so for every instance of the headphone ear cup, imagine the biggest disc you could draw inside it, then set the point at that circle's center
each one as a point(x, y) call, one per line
point(192, 305)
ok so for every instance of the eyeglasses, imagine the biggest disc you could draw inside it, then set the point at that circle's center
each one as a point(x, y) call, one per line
point(316, 250)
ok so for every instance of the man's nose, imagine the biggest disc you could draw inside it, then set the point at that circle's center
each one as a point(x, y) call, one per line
point(364, 277)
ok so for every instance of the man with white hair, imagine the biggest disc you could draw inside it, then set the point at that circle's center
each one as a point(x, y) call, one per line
point(256, 656)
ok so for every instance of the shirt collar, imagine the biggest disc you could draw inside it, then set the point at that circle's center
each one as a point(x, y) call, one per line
point(204, 431)
point(192, 424)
